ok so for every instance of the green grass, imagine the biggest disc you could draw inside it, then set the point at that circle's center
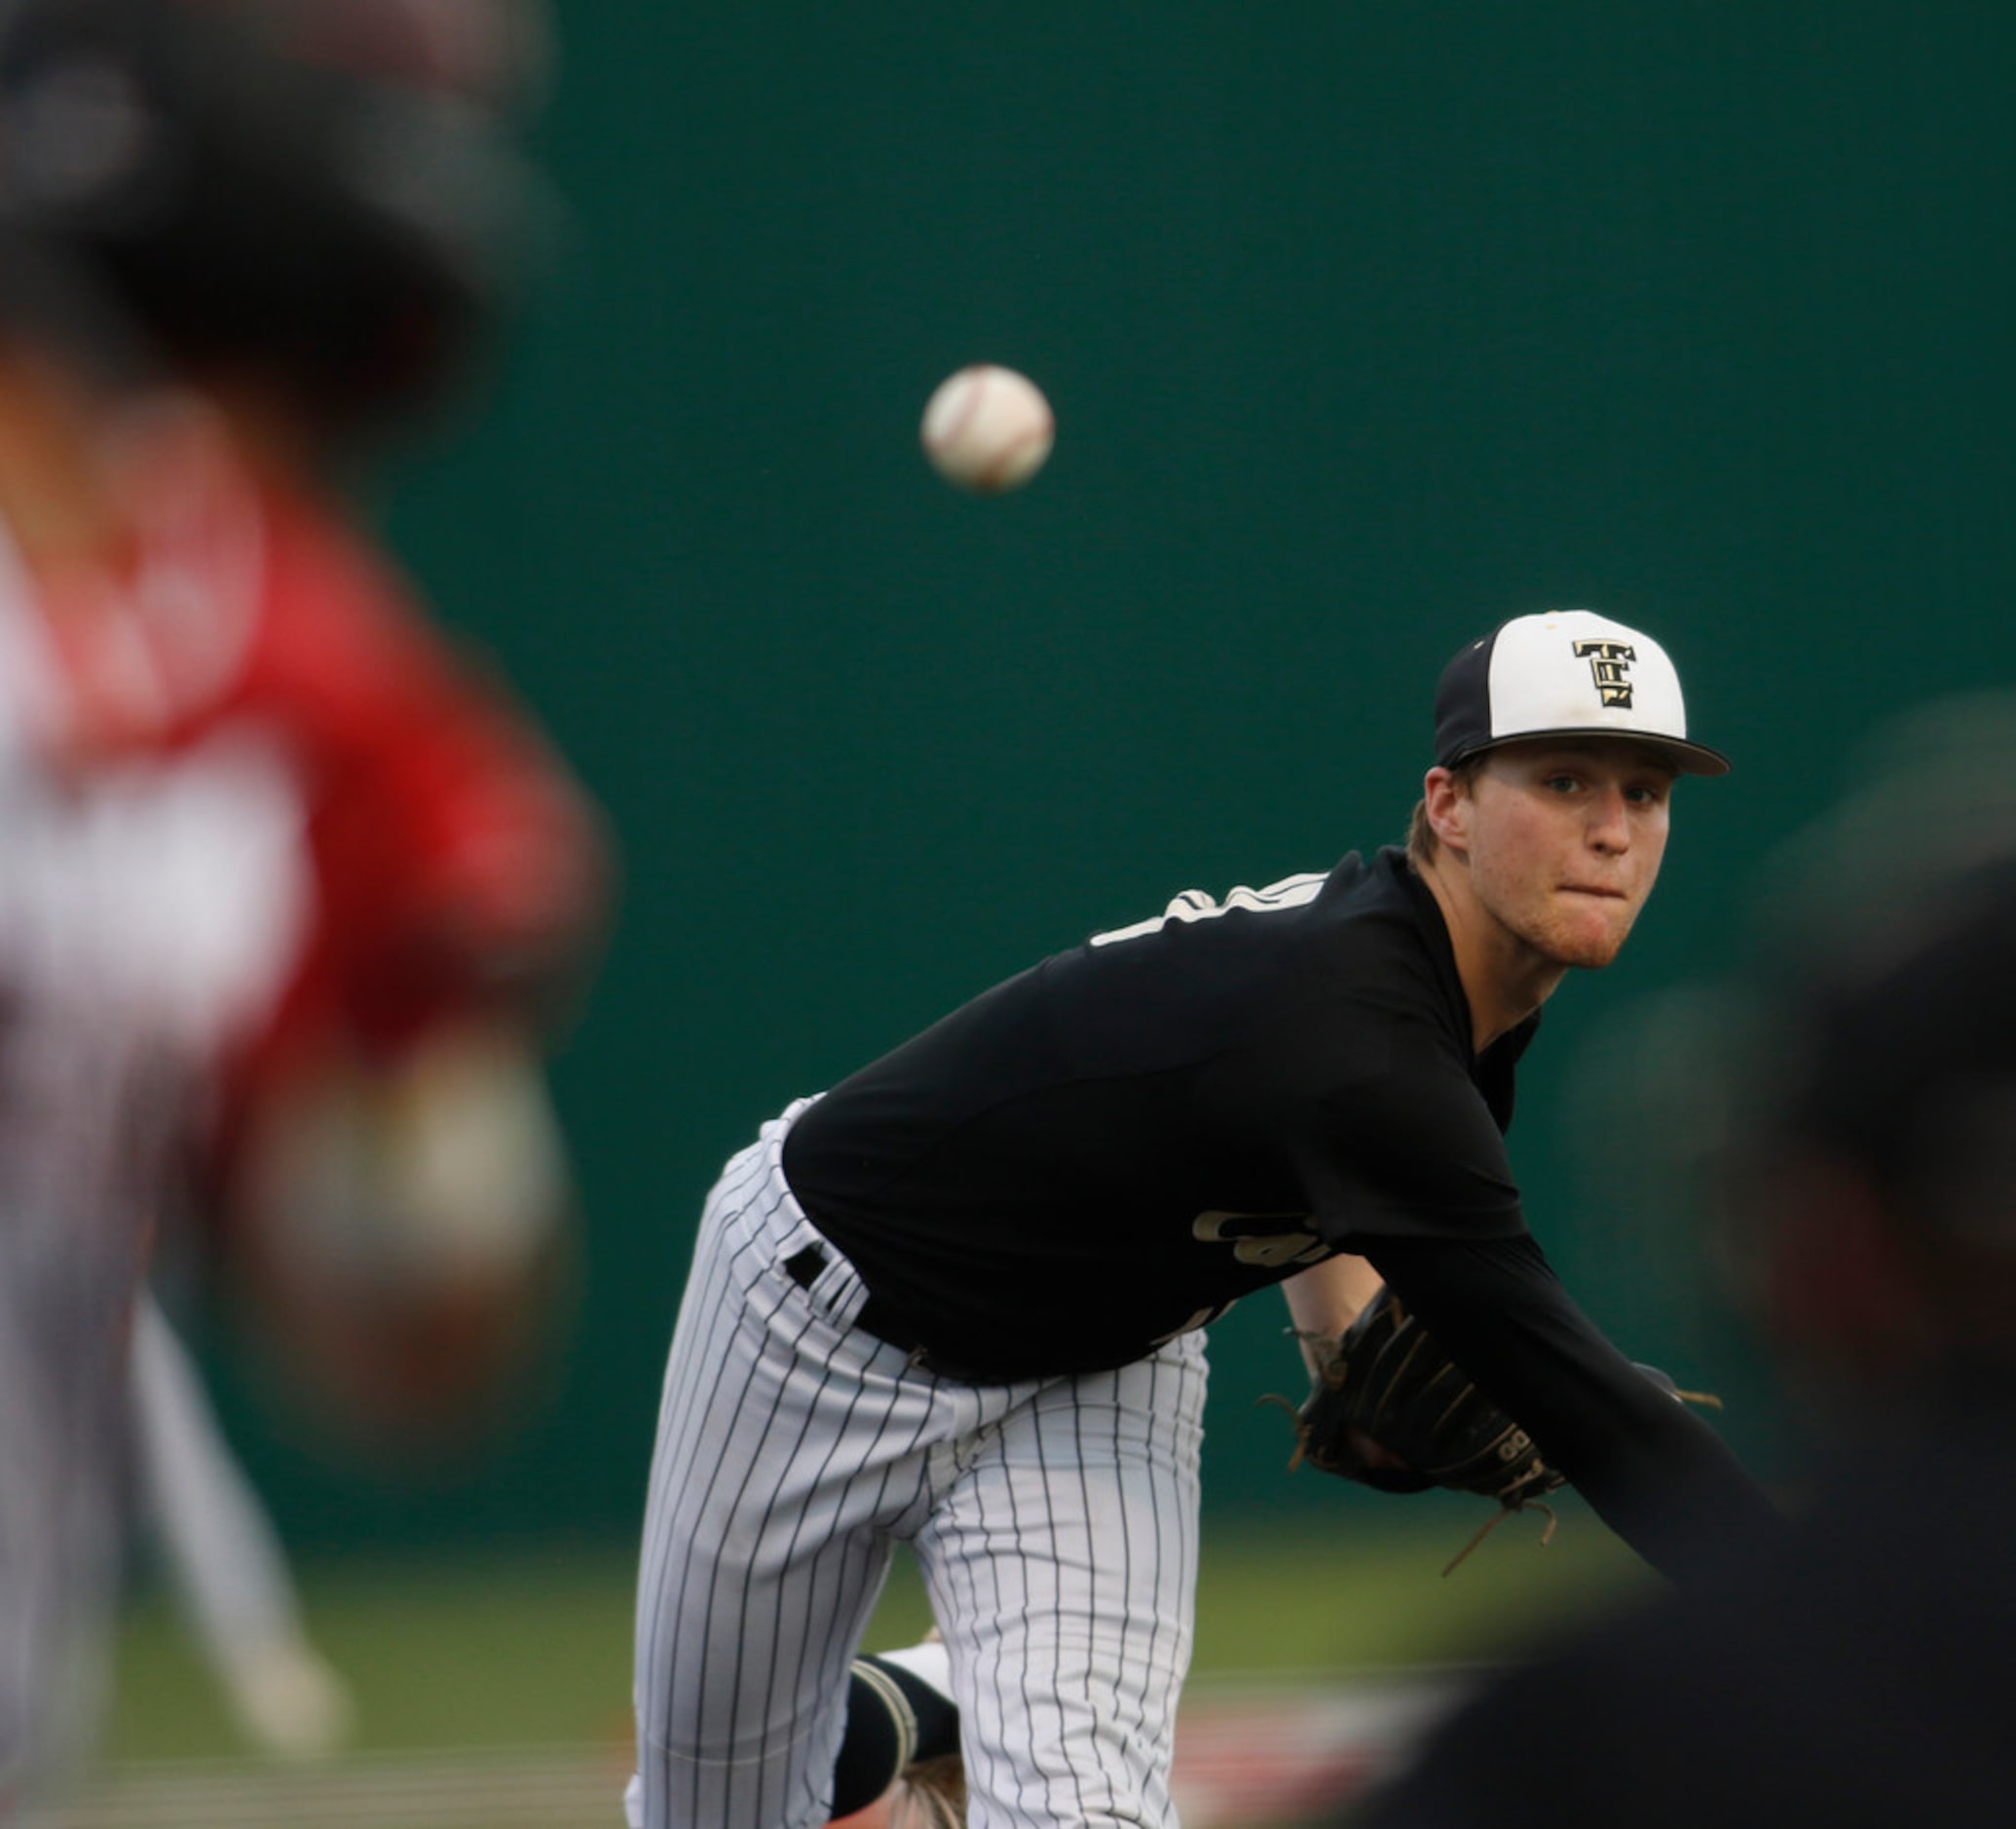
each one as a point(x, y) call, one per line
point(478, 1650)
point(533, 1649)
point(1356, 1595)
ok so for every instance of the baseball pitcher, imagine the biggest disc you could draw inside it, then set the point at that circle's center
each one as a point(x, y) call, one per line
point(960, 1301)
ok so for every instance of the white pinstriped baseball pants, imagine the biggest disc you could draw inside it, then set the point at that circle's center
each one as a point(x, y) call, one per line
point(1055, 1523)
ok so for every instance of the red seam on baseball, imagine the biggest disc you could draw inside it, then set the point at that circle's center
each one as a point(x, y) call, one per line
point(997, 473)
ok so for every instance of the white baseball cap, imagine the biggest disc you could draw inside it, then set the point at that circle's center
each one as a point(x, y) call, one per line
point(1565, 673)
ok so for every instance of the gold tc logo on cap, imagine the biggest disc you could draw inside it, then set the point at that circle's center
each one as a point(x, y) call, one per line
point(1610, 667)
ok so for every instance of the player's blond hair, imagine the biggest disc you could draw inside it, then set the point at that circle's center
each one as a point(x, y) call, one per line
point(1421, 844)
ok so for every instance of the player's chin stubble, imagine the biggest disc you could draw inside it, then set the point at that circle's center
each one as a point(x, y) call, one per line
point(1585, 939)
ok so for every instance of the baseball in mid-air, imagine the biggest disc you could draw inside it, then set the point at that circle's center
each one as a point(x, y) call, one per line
point(988, 428)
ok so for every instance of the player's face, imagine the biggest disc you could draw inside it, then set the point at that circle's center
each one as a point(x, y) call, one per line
point(1565, 840)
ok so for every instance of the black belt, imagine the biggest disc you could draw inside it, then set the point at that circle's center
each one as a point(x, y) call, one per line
point(803, 1266)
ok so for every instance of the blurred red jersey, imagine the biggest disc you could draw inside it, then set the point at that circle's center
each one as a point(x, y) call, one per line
point(451, 864)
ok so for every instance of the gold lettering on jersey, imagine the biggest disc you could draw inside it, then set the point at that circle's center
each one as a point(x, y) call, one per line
point(1610, 665)
point(1266, 1250)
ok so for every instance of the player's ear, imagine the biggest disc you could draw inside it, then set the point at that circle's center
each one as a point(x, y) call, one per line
point(1447, 797)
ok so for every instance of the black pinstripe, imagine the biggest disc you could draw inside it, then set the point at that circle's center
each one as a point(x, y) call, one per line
point(794, 1451)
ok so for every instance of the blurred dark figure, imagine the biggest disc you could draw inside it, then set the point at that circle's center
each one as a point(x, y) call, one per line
point(297, 894)
point(1864, 1675)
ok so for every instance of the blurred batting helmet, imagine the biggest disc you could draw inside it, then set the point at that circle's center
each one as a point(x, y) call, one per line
point(320, 193)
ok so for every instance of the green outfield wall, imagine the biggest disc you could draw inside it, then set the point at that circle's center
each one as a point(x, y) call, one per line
point(1365, 327)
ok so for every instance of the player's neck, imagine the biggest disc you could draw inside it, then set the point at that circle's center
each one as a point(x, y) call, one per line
point(1505, 980)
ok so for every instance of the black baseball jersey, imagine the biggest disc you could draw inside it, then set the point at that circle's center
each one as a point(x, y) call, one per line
point(1116, 1144)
